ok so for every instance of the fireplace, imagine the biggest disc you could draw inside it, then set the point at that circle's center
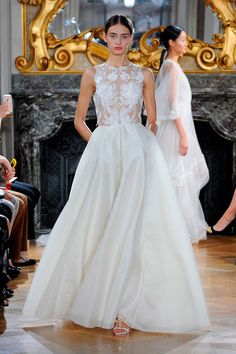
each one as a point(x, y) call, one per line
point(59, 157)
point(48, 148)
point(219, 154)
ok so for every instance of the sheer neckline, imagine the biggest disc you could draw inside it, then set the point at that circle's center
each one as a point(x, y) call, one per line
point(118, 67)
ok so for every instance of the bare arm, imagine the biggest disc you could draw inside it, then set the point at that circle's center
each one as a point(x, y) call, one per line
point(172, 96)
point(87, 87)
point(149, 99)
point(183, 141)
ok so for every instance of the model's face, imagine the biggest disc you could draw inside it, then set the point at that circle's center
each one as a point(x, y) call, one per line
point(118, 39)
point(179, 46)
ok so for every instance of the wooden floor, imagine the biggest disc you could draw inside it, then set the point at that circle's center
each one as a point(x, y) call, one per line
point(215, 259)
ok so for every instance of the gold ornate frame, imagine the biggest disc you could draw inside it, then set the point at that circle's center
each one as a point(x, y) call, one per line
point(44, 53)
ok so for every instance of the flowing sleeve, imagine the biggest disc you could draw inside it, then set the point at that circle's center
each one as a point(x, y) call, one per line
point(167, 92)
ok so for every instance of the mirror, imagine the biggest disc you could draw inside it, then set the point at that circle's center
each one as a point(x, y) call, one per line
point(66, 35)
point(193, 15)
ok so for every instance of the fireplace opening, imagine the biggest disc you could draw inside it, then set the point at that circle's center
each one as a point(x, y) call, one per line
point(216, 195)
point(60, 155)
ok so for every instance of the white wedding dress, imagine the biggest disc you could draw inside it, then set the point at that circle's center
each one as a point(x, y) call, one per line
point(120, 245)
point(189, 173)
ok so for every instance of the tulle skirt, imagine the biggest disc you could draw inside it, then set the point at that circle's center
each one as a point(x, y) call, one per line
point(189, 174)
point(120, 245)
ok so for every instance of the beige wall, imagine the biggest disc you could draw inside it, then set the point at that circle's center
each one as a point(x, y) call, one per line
point(10, 48)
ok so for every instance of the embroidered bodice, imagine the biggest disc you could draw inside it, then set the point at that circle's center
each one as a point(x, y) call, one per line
point(119, 94)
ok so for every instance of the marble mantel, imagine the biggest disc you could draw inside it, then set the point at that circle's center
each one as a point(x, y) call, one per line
point(214, 99)
point(43, 103)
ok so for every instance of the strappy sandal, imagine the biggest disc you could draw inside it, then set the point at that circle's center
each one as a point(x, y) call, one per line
point(120, 328)
point(209, 230)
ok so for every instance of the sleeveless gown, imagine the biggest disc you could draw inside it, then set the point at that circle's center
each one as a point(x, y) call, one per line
point(120, 245)
point(189, 173)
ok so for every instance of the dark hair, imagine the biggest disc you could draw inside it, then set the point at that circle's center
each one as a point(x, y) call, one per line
point(119, 19)
point(170, 32)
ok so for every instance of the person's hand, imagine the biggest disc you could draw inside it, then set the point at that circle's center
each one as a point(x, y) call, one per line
point(8, 171)
point(7, 196)
point(153, 127)
point(4, 109)
point(183, 146)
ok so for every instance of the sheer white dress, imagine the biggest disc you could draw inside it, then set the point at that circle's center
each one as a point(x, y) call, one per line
point(120, 245)
point(189, 173)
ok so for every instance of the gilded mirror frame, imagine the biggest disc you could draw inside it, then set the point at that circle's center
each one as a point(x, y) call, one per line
point(44, 53)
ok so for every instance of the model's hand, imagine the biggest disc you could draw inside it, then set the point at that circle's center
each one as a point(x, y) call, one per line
point(183, 146)
point(153, 127)
point(4, 108)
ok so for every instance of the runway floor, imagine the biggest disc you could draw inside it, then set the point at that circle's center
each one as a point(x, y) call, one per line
point(216, 264)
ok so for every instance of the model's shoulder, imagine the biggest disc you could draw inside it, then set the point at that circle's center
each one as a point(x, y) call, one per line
point(171, 64)
point(138, 67)
point(90, 71)
point(147, 73)
point(170, 67)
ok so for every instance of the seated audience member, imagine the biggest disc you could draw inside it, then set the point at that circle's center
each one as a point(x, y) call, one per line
point(27, 189)
point(33, 196)
point(4, 220)
point(30, 191)
point(18, 241)
point(13, 228)
point(7, 272)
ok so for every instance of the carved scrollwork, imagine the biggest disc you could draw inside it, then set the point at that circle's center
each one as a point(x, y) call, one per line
point(206, 58)
point(37, 33)
point(148, 54)
point(81, 43)
point(226, 12)
point(48, 54)
point(31, 2)
point(23, 64)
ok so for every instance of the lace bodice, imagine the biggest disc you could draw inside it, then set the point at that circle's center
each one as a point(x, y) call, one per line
point(119, 94)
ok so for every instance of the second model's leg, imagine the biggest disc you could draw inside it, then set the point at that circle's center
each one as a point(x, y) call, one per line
point(228, 216)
